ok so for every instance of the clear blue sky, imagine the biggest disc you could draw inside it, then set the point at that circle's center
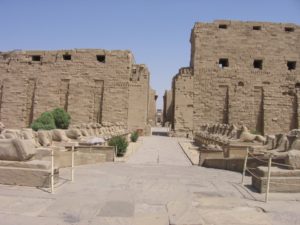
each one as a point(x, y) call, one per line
point(156, 31)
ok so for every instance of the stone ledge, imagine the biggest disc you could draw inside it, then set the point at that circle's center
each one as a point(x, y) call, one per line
point(27, 176)
point(278, 184)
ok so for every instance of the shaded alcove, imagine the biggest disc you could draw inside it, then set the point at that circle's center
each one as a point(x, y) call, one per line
point(30, 99)
point(294, 120)
point(259, 112)
point(226, 107)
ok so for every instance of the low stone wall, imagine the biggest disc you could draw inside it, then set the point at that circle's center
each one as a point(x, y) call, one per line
point(31, 177)
point(107, 152)
point(282, 179)
point(234, 164)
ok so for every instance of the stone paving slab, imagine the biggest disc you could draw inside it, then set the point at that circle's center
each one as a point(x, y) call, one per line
point(67, 209)
point(235, 216)
point(182, 212)
point(30, 220)
point(23, 206)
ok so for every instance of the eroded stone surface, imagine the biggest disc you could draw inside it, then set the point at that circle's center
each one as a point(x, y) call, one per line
point(33, 82)
point(224, 84)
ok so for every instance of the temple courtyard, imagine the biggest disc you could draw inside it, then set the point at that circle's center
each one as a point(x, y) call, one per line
point(156, 185)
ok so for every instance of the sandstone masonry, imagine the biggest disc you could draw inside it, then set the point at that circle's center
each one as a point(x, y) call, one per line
point(168, 107)
point(183, 100)
point(241, 72)
point(152, 107)
point(93, 85)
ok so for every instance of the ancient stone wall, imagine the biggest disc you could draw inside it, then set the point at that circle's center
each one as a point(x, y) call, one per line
point(152, 107)
point(92, 85)
point(183, 102)
point(168, 107)
point(246, 72)
point(138, 97)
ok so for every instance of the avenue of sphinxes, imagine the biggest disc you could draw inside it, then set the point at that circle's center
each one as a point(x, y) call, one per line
point(85, 126)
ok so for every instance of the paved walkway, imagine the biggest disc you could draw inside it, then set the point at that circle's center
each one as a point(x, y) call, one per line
point(159, 150)
point(157, 186)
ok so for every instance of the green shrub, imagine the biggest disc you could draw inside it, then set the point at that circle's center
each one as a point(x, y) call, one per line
point(121, 144)
point(44, 122)
point(255, 132)
point(57, 118)
point(61, 118)
point(134, 136)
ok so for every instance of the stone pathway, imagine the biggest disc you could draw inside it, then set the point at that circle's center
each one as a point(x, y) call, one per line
point(159, 150)
point(157, 186)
